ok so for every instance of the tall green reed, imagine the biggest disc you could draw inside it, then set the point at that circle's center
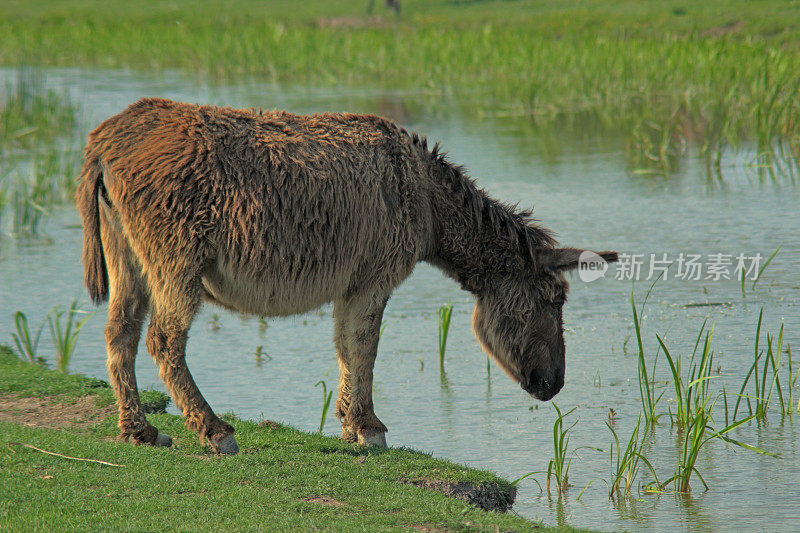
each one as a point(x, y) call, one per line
point(792, 381)
point(65, 336)
point(767, 380)
point(764, 267)
point(693, 394)
point(326, 403)
point(27, 344)
point(647, 384)
point(445, 313)
point(698, 434)
point(625, 465)
point(694, 412)
point(558, 467)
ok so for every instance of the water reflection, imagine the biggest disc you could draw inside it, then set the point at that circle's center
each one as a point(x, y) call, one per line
point(582, 187)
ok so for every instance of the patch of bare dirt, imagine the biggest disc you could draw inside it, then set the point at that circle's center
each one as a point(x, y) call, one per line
point(719, 31)
point(324, 500)
point(487, 496)
point(53, 411)
point(352, 22)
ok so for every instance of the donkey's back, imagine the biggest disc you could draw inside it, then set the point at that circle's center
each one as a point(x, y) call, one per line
point(267, 213)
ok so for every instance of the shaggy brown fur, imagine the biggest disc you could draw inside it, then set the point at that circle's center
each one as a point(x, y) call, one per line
point(274, 214)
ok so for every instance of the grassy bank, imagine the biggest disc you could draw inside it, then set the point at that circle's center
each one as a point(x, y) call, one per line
point(662, 73)
point(284, 479)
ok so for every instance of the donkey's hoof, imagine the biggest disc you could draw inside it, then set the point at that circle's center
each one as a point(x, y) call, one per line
point(226, 446)
point(377, 438)
point(163, 440)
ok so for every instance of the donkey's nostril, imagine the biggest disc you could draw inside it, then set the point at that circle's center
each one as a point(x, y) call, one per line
point(543, 385)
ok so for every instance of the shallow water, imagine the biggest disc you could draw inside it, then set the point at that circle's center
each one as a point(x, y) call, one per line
point(584, 191)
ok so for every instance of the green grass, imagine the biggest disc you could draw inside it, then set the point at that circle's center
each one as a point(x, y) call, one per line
point(326, 403)
point(558, 466)
point(445, 313)
point(35, 172)
point(663, 73)
point(625, 464)
point(647, 384)
point(693, 394)
point(30, 112)
point(769, 381)
point(271, 485)
point(27, 344)
point(65, 336)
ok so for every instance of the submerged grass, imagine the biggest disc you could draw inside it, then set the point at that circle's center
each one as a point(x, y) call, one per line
point(692, 396)
point(558, 467)
point(445, 313)
point(695, 401)
point(65, 336)
point(26, 343)
point(31, 112)
point(625, 465)
point(768, 382)
point(35, 172)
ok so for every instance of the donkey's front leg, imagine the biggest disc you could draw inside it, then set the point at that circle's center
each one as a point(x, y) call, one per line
point(358, 325)
point(166, 340)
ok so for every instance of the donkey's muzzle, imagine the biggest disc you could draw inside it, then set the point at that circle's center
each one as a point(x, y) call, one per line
point(544, 385)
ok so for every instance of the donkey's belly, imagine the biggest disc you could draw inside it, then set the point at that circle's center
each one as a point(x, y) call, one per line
point(243, 293)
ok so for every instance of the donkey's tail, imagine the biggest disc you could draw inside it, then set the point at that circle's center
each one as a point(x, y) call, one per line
point(94, 260)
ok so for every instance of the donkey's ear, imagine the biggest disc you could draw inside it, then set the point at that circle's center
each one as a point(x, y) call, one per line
point(568, 258)
point(610, 257)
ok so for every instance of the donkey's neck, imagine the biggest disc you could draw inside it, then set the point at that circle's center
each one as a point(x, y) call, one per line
point(477, 238)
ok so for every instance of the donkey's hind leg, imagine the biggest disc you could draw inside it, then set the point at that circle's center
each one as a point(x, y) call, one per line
point(171, 315)
point(126, 312)
point(357, 331)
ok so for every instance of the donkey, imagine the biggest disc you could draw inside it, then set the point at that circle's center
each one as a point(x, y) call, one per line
point(274, 214)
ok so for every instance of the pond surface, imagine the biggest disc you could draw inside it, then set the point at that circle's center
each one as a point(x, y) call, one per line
point(583, 190)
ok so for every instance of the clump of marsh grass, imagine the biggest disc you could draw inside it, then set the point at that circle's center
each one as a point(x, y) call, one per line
point(694, 412)
point(693, 395)
point(65, 336)
point(30, 111)
point(326, 403)
point(27, 212)
point(558, 467)
point(655, 148)
point(698, 434)
point(35, 182)
point(26, 343)
point(767, 382)
point(261, 354)
point(647, 384)
point(445, 313)
point(35, 176)
point(625, 464)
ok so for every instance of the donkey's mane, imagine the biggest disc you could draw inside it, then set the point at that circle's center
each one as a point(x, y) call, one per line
point(519, 224)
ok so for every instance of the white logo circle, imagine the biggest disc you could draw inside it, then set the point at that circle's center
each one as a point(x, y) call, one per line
point(591, 266)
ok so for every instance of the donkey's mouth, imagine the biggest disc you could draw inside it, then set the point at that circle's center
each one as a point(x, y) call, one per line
point(543, 386)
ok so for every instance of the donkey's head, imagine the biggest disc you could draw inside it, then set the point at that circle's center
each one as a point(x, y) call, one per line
point(518, 320)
